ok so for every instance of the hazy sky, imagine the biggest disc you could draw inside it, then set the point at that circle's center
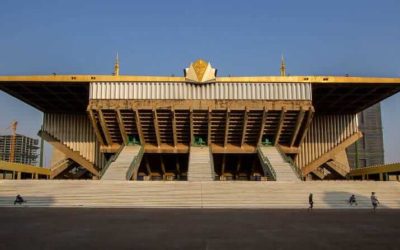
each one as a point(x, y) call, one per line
point(360, 38)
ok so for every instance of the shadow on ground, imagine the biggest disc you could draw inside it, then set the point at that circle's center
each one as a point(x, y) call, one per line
point(85, 228)
point(341, 199)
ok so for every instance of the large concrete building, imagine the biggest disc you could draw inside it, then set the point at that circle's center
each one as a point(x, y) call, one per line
point(369, 150)
point(200, 126)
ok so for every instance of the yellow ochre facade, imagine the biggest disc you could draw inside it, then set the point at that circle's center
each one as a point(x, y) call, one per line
point(200, 126)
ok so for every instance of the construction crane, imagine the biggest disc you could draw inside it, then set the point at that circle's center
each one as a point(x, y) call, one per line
point(13, 127)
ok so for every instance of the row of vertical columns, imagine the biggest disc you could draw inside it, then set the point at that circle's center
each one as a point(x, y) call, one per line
point(297, 130)
point(382, 177)
point(17, 175)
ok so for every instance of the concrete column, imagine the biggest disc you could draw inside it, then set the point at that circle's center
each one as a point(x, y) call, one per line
point(381, 176)
point(19, 175)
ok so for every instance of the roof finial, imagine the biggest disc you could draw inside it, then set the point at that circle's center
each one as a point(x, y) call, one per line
point(283, 66)
point(116, 66)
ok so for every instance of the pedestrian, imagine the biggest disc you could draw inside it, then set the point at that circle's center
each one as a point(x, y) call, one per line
point(374, 201)
point(19, 199)
point(311, 202)
point(352, 200)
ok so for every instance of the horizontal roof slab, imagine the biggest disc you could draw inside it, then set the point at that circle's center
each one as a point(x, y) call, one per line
point(70, 93)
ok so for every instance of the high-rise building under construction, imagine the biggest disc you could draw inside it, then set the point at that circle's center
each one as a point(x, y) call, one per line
point(25, 151)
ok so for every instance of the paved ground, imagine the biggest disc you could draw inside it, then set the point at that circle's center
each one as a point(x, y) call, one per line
point(59, 228)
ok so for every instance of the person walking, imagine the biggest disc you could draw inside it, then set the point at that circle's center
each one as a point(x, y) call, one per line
point(374, 201)
point(311, 202)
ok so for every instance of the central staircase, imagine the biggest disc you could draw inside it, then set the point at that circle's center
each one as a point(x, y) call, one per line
point(201, 166)
point(119, 168)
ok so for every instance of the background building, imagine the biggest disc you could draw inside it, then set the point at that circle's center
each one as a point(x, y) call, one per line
point(26, 149)
point(369, 149)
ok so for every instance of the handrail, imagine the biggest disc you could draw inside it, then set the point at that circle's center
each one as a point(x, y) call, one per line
point(134, 163)
point(212, 165)
point(266, 164)
point(111, 160)
point(292, 164)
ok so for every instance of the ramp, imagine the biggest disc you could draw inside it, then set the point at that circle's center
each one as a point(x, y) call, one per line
point(200, 164)
point(283, 170)
point(125, 164)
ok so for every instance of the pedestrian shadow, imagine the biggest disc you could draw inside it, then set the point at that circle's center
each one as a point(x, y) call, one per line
point(341, 200)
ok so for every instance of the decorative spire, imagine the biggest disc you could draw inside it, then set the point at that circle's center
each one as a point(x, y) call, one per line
point(283, 66)
point(116, 66)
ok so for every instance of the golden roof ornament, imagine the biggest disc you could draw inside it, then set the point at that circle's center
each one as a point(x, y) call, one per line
point(200, 72)
point(200, 67)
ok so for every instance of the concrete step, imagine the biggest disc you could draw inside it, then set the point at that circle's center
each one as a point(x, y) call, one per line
point(211, 194)
point(200, 164)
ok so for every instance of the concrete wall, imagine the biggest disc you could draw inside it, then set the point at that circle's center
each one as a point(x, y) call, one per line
point(76, 132)
point(217, 91)
point(324, 134)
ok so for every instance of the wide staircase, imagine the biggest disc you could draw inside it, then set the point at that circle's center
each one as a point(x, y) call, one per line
point(283, 170)
point(124, 164)
point(186, 194)
point(200, 164)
